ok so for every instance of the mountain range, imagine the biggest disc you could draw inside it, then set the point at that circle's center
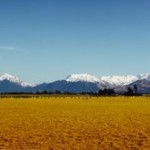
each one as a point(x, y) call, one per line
point(77, 83)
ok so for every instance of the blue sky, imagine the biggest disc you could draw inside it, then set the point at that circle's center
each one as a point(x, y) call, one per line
point(46, 40)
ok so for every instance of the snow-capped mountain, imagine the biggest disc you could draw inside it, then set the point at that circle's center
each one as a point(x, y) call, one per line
point(82, 77)
point(119, 80)
point(77, 83)
point(14, 79)
point(144, 76)
point(112, 80)
point(115, 80)
point(119, 83)
point(88, 79)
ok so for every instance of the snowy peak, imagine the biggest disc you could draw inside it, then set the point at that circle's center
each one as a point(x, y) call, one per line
point(104, 81)
point(82, 77)
point(144, 76)
point(114, 81)
point(13, 79)
point(119, 80)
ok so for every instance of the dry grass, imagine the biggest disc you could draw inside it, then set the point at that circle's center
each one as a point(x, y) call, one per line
point(117, 123)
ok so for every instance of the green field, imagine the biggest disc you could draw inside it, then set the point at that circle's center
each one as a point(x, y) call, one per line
point(75, 123)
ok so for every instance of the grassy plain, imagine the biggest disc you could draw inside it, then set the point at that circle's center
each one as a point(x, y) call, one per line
point(75, 123)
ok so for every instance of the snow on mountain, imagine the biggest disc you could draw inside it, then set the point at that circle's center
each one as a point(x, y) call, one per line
point(119, 80)
point(125, 80)
point(144, 76)
point(82, 77)
point(103, 81)
point(14, 79)
point(113, 80)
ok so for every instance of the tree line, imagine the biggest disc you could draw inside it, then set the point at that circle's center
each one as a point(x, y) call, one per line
point(131, 91)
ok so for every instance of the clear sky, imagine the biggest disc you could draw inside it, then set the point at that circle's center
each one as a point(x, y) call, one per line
point(46, 40)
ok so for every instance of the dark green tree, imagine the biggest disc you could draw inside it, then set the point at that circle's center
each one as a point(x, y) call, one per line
point(135, 89)
point(129, 92)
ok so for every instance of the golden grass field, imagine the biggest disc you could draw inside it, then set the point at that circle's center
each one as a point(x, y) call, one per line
point(75, 123)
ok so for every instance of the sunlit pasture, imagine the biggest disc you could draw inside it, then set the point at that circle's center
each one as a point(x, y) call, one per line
point(75, 123)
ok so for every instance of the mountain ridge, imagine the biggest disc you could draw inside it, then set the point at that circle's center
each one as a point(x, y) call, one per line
point(77, 83)
point(117, 80)
point(14, 79)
